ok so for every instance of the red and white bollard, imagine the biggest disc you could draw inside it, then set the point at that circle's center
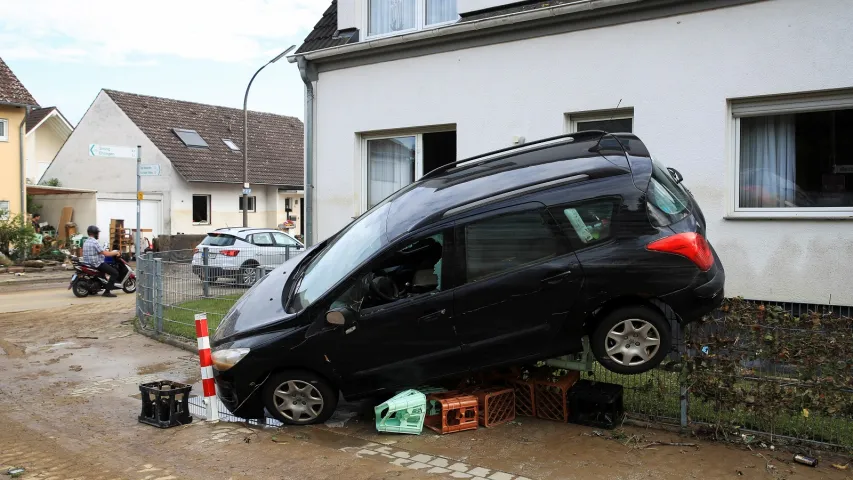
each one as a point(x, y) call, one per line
point(211, 402)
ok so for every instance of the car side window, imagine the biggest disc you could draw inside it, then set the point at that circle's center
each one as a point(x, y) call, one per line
point(283, 240)
point(497, 244)
point(586, 223)
point(262, 239)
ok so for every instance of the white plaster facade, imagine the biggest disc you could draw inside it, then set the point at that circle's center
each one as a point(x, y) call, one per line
point(679, 74)
point(169, 193)
point(43, 143)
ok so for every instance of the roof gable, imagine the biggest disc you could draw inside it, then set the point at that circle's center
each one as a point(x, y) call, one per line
point(275, 141)
point(11, 89)
point(325, 33)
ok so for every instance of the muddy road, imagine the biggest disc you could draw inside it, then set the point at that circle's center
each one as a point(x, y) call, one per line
point(69, 375)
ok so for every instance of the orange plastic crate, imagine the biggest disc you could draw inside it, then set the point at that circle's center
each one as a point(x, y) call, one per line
point(525, 405)
point(551, 397)
point(450, 412)
point(497, 405)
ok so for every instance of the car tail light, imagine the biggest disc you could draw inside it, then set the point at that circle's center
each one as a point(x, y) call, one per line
point(691, 245)
point(229, 253)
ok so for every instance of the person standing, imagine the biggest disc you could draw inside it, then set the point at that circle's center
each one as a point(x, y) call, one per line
point(37, 222)
point(94, 254)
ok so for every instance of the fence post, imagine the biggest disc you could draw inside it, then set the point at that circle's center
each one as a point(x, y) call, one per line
point(204, 273)
point(149, 285)
point(208, 385)
point(158, 295)
point(140, 272)
point(286, 253)
point(260, 271)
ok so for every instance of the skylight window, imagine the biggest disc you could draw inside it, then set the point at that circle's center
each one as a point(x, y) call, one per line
point(233, 146)
point(191, 138)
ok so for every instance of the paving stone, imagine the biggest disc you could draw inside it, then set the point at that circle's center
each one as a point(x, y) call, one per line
point(438, 470)
point(367, 452)
point(384, 450)
point(440, 462)
point(480, 472)
point(460, 475)
point(401, 454)
point(417, 465)
point(422, 458)
point(459, 467)
point(401, 462)
point(500, 476)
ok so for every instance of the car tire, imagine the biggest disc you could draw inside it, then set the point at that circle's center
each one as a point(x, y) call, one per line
point(632, 340)
point(248, 274)
point(298, 397)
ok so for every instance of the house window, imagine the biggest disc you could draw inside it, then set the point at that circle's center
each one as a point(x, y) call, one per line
point(252, 202)
point(230, 144)
point(392, 162)
point(613, 121)
point(4, 130)
point(388, 17)
point(201, 209)
point(4, 209)
point(791, 156)
point(191, 138)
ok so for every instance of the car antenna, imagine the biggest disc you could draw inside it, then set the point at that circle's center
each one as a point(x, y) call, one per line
point(613, 114)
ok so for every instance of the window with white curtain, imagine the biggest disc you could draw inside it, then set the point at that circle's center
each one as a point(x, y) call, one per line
point(792, 156)
point(390, 166)
point(387, 17)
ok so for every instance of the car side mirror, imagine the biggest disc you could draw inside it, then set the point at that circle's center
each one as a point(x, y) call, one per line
point(344, 316)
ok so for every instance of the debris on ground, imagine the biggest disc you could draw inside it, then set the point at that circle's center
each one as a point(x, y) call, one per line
point(75, 368)
point(86, 337)
point(15, 472)
point(640, 441)
point(839, 466)
point(339, 419)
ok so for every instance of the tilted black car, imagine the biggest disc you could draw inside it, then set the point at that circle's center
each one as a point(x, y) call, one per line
point(505, 258)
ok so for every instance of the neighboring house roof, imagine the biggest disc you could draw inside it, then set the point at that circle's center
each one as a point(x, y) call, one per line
point(11, 89)
point(275, 141)
point(39, 115)
point(324, 34)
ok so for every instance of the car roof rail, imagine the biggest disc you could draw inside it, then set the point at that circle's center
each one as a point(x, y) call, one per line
point(565, 138)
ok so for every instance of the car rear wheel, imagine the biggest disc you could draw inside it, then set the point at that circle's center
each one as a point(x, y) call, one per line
point(632, 340)
point(300, 398)
point(248, 274)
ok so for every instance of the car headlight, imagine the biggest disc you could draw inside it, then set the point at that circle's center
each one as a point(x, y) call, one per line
point(225, 359)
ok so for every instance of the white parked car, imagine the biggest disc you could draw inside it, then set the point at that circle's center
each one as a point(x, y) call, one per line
point(238, 252)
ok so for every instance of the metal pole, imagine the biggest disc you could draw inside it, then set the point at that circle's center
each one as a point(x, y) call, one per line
point(246, 136)
point(138, 202)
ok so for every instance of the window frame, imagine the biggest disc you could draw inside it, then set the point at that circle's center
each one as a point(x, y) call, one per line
point(253, 203)
point(460, 273)
point(806, 102)
point(228, 143)
point(5, 136)
point(420, 21)
point(5, 213)
point(294, 244)
point(364, 166)
point(251, 239)
point(573, 118)
point(209, 208)
point(177, 131)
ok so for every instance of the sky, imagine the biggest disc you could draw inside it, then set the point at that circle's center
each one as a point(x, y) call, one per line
point(66, 51)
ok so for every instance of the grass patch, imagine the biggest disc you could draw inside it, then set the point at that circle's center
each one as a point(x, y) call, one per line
point(179, 320)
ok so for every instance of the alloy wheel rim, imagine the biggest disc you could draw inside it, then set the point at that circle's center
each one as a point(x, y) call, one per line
point(298, 401)
point(249, 276)
point(632, 342)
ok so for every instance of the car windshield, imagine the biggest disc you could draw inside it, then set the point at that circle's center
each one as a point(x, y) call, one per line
point(218, 240)
point(355, 244)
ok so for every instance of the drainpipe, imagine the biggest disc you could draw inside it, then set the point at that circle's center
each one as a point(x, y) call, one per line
point(22, 132)
point(309, 76)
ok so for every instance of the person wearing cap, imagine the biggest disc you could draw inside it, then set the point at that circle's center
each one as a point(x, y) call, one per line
point(94, 254)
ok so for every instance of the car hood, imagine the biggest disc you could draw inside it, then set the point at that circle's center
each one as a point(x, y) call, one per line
point(262, 305)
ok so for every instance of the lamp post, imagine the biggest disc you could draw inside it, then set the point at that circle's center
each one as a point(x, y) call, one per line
point(246, 136)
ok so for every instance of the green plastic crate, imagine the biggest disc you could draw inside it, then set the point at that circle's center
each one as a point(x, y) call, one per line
point(402, 413)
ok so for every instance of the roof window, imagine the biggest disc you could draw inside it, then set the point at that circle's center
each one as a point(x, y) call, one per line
point(230, 143)
point(191, 138)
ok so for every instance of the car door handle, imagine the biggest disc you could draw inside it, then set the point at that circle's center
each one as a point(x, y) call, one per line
point(431, 317)
point(557, 278)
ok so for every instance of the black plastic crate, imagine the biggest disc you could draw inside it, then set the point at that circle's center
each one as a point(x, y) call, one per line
point(165, 404)
point(596, 404)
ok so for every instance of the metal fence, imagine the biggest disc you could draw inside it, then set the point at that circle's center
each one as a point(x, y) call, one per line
point(174, 286)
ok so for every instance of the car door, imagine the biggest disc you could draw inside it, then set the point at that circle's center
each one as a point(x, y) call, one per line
point(265, 251)
point(397, 344)
point(286, 246)
point(519, 280)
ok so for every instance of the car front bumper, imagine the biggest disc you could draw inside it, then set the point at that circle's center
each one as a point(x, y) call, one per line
point(242, 400)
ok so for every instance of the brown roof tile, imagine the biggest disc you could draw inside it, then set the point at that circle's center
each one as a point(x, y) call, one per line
point(11, 89)
point(275, 141)
point(37, 116)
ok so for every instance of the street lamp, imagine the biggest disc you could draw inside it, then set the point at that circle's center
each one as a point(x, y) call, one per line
point(246, 137)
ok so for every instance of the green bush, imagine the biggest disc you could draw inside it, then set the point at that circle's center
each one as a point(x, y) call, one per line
point(16, 234)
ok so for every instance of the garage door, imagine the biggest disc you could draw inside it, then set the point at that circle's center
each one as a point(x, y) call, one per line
point(126, 210)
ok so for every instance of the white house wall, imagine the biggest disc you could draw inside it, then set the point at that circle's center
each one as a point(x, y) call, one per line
point(106, 124)
point(225, 206)
point(677, 73)
point(42, 145)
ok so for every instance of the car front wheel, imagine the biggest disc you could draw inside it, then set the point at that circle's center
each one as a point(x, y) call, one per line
point(632, 340)
point(300, 398)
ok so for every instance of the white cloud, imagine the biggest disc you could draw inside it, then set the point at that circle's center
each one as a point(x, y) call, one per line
point(137, 31)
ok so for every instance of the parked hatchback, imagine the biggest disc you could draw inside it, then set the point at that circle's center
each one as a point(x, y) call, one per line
point(238, 252)
point(505, 258)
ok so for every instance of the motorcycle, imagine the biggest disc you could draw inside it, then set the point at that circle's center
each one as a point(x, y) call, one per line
point(87, 280)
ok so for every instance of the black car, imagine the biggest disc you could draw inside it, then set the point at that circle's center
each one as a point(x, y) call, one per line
point(506, 258)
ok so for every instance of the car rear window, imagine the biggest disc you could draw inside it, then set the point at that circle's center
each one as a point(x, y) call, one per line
point(667, 201)
point(219, 240)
